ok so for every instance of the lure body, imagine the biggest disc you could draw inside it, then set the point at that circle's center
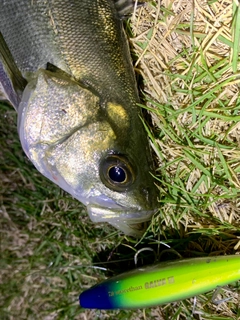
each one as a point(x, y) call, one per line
point(162, 283)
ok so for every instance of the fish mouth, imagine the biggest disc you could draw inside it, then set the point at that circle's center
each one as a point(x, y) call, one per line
point(131, 222)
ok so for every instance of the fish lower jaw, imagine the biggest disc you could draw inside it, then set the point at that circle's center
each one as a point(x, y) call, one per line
point(131, 222)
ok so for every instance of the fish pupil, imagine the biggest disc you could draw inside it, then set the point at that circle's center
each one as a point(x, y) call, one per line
point(117, 174)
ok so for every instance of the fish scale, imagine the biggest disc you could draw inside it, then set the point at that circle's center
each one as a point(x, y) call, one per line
point(30, 49)
point(88, 54)
point(103, 67)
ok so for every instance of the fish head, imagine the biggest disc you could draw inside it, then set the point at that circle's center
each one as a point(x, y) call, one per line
point(92, 148)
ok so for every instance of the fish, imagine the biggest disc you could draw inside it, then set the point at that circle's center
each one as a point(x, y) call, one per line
point(65, 66)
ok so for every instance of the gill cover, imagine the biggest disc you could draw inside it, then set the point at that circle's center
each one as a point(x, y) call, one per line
point(53, 109)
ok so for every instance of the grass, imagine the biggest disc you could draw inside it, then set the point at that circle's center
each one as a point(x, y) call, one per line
point(188, 55)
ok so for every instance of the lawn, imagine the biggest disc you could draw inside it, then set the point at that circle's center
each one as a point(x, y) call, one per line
point(186, 57)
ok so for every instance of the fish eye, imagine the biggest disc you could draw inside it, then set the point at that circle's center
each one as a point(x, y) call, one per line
point(116, 172)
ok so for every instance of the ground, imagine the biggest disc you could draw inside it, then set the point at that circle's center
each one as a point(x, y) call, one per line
point(186, 57)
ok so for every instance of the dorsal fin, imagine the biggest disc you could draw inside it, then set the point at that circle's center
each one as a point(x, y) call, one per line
point(125, 7)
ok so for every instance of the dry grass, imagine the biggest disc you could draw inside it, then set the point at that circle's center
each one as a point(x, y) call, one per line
point(188, 55)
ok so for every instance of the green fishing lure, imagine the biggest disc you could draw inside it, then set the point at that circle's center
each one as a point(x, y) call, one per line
point(162, 283)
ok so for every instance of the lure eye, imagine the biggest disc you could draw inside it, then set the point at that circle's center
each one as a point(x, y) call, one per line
point(116, 172)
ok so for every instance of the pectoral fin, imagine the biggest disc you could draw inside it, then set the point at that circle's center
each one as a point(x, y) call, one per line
point(11, 79)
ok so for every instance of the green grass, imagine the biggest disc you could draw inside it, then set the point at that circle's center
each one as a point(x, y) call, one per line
point(51, 251)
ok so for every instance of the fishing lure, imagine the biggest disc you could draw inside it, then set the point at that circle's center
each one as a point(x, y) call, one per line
point(162, 283)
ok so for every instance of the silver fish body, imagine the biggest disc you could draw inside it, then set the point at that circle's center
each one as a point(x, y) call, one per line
point(78, 118)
